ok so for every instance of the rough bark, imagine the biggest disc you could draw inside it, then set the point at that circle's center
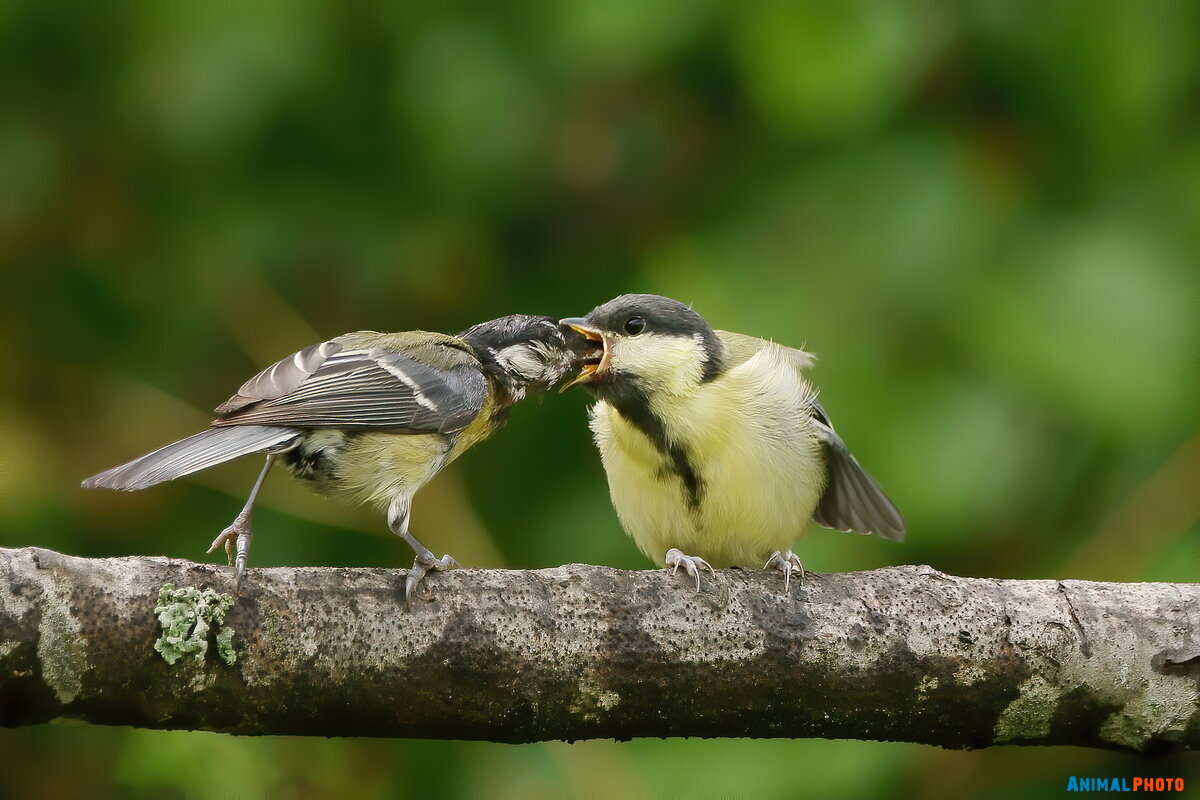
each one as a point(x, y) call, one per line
point(578, 652)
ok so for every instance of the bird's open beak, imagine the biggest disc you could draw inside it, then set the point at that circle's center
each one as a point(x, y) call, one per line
point(597, 359)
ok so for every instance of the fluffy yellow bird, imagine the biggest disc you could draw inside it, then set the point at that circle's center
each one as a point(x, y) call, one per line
point(715, 446)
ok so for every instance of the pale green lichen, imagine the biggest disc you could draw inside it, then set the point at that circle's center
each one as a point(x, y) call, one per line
point(1164, 707)
point(593, 699)
point(225, 645)
point(187, 616)
point(1028, 716)
point(61, 650)
point(608, 700)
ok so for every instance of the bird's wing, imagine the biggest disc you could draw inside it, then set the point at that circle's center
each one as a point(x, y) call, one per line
point(740, 348)
point(281, 377)
point(853, 500)
point(341, 384)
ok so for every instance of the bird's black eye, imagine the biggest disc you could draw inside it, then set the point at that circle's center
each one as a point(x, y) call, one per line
point(635, 325)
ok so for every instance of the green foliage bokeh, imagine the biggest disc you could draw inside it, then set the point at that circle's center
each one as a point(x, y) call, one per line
point(983, 219)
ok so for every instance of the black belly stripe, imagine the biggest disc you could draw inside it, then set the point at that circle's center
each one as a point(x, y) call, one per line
point(634, 406)
point(682, 467)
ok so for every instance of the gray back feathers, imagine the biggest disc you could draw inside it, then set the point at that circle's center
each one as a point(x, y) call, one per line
point(370, 388)
point(343, 384)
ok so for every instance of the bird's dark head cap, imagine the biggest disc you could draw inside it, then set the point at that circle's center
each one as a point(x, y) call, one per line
point(627, 327)
point(528, 352)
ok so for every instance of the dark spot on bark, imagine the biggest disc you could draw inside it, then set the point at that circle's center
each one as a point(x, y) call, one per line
point(1169, 665)
point(1179, 664)
point(946, 712)
point(26, 694)
point(1079, 715)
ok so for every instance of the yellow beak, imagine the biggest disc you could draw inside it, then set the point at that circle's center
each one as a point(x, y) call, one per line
point(589, 370)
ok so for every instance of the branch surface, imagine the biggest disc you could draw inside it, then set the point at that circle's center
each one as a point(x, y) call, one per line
point(579, 652)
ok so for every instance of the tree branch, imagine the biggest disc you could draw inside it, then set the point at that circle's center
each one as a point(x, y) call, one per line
point(578, 652)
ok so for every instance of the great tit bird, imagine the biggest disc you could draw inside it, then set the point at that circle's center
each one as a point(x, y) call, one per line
point(715, 446)
point(370, 417)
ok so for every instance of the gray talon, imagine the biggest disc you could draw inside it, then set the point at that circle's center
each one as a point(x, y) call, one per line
point(236, 542)
point(224, 539)
point(243, 553)
point(236, 538)
point(692, 564)
point(422, 565)
point(786, 562)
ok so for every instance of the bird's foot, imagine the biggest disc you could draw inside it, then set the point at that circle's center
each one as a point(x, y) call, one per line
point(236, 541)
point(786, 562)
point(422, 565)
point(691, 564)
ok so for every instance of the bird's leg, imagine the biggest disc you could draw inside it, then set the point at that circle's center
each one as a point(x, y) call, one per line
point(236, 538)
point(786, 562)
point(425, 560)
point(691, 564)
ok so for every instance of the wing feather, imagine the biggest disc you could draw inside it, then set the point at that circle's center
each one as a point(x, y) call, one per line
point(196, 452)
point(853, 500)
point(281, 377)
point(358, 389)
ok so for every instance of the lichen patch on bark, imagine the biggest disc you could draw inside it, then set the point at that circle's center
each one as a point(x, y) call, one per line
point(187, 618)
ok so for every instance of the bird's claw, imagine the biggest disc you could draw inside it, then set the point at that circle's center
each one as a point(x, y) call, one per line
point(421, 566)
point(236, 541)
point(226, 540)
point(691, 564)
point(786, 562)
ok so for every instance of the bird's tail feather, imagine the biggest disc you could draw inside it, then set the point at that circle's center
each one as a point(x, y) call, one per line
point(199, 451)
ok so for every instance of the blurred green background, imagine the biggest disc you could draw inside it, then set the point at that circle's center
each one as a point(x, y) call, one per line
point(983, 219)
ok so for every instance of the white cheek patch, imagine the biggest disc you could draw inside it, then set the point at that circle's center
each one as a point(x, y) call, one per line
point(532, 361)
point(665, 363)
